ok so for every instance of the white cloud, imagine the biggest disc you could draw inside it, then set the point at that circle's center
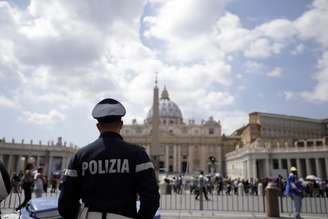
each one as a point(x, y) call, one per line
point(43, 119)
point(253, 67)
point(320, 92)
point(63, 56)
point(8, 103)
point(172, 20)
point(289, 95)
point(313, 23)
point(299, 49)
point(232, 120)
point(230, 36)
point(262, 48)
point(280, 30)
point(275, 73)
point(261, 42)
point(207, 100)
point(184, 39)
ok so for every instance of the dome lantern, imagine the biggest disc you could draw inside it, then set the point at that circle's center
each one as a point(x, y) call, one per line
point(165, 94)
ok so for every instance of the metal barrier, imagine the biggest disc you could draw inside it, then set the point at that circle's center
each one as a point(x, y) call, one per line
point(239, 203)
point(310, 205)
point(222, 202)
point(12, 201)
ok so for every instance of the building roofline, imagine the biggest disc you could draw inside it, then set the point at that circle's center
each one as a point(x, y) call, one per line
point(283, 116)
point(239, 131)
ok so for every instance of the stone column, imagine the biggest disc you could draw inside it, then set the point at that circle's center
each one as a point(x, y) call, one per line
point(190, 159)
point(308, 166)
point(37, 162)
point(175, 152)
point(167, 158)
point(63, 163)
point(204, 159)
point(249, 168)
point(49, 166)
point(326, 161)
point(280, 163)
point(179, 158)
point(289, 164)
point(267, 166)
point(318, 168)
point(254, 168)
point(219, 165)
point(10, 164)
point(18, 167)
point(299, 167)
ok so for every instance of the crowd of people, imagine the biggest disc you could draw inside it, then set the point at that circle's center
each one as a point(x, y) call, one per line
point(217, 185)
point(33, 180)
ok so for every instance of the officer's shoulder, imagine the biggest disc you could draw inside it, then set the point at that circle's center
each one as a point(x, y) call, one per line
point(133, 147)
point(85, 149)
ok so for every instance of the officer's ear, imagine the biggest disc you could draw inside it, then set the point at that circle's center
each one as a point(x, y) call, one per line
point(121, 124)
point(99, 127)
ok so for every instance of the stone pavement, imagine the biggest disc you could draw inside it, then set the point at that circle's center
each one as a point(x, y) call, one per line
point(225, 215)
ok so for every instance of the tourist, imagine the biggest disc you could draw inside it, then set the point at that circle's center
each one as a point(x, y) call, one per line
point(27, 186)
point(202, 180)
point(53, 183)
point(15, 182)
point(294, 190)
point(38, 183)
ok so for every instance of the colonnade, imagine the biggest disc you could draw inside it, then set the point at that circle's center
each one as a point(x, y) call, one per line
point(16, 163)
point(317, 166)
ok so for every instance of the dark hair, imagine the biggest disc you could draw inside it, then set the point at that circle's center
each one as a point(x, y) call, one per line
point(109, 119)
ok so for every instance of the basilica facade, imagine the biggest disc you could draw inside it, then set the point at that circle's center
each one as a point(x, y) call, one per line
point(181, 147)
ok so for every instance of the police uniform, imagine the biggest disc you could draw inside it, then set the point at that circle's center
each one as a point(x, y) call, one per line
point(108, 174)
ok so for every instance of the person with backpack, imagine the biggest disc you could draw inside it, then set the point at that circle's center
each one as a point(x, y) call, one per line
point(294, 189)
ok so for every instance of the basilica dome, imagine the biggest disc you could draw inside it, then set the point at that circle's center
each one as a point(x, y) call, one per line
point(169, 112)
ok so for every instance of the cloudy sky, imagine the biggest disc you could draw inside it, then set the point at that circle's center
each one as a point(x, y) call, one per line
point(221, 58)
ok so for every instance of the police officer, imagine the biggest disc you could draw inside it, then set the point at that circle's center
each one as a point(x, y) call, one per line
point(5, 185)
point(108, 174)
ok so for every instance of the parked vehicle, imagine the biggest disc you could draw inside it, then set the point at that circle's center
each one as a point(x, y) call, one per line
point(47, 207)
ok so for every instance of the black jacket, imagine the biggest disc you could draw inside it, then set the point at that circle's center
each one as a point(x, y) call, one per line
point(107, 175)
